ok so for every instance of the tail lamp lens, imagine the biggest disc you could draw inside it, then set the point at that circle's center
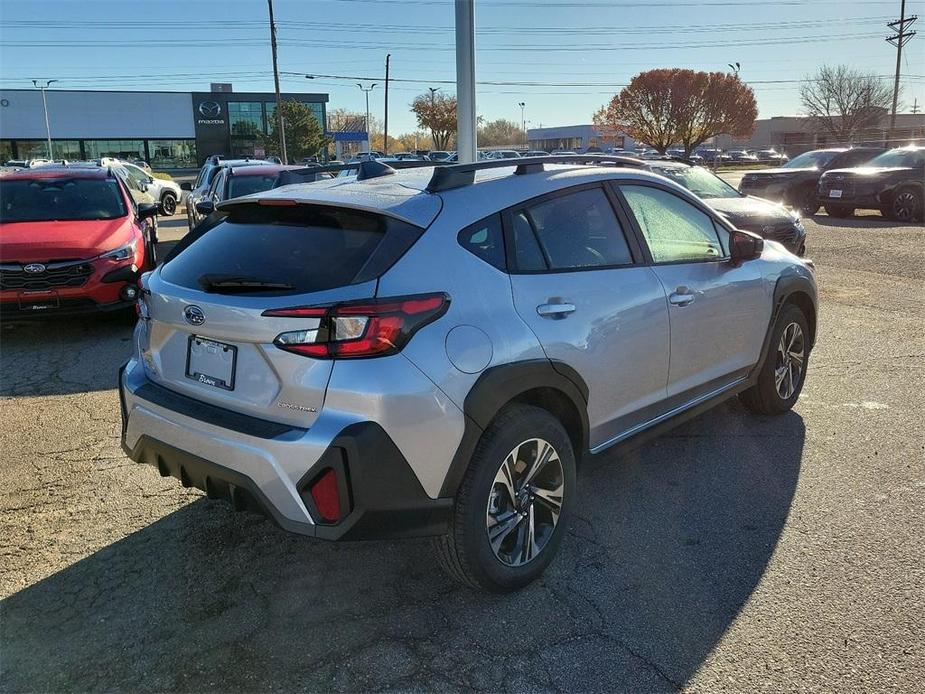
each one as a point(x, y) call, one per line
point(326, 496)
point(359, 329)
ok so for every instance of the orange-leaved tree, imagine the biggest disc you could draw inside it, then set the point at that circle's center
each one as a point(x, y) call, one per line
point(437, 113)
point(675, 106)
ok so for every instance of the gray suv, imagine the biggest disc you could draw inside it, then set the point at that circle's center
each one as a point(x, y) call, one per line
point(432, 351)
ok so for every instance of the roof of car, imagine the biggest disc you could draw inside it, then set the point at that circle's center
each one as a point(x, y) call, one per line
point(261, 169)
point(404, 196)
point(59, 172)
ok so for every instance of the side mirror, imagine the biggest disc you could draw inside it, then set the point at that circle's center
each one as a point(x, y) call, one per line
point(186, 185)
point(205, 207)
point(744, 245)
point(146, 210)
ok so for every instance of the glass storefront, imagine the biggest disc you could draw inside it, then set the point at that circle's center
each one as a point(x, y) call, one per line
point(172, 154)
point(245, 119)
point(120, 149)
point(38, 149)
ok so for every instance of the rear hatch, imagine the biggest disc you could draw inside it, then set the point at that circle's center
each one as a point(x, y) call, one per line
point(206, 335)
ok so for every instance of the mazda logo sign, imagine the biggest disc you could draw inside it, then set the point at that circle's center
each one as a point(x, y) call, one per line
point(210, 109)
point(194, 315)
point(34, 268)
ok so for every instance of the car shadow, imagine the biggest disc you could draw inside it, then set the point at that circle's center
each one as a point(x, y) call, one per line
point(61, 355)
point(666, 547)
point(863, 221)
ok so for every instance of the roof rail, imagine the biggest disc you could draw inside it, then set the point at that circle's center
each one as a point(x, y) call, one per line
point(451, 176)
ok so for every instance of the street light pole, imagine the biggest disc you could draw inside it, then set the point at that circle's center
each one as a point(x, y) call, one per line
point(385, 128)
point(48, 83)
point(523, 123)
point(466, 138)
point(367, 90)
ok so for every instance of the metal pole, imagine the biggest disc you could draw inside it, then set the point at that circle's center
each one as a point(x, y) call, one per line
point(466, 139)
point(433, 100)
point(385, 127)
point(48, 83)
point(367, 90)
point(523, 123)
point(279, 109)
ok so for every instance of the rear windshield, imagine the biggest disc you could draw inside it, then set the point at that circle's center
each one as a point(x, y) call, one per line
point(49, 199)
point(245, 185)
point(291, 250)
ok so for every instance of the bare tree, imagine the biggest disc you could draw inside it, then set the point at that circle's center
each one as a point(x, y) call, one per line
point(843, 102)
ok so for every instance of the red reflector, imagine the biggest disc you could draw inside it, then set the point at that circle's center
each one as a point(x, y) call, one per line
point(326, 496)
point(277, 203)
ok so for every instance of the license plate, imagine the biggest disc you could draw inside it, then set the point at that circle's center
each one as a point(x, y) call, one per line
point(38, 301)
point(834, 193)
point(211, 363)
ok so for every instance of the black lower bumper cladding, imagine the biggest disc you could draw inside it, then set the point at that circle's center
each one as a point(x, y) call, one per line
point(380, 495)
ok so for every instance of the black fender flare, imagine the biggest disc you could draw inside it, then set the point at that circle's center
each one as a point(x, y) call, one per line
point(886, 196)
point(791, 285)
point(498, 386)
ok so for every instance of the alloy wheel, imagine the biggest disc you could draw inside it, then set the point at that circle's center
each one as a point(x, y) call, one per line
point(905, 206)
point(525, 502)
point(788, 369)
point(169, 203)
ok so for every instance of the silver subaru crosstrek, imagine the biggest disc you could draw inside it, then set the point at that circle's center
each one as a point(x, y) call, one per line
point(432, 351)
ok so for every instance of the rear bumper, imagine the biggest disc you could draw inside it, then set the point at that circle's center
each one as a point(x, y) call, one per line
point(266, 467)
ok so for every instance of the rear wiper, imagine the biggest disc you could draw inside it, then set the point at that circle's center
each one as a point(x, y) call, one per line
point(218, 283)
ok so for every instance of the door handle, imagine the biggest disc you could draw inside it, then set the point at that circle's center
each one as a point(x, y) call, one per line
point(555, 310)
point(682, 296)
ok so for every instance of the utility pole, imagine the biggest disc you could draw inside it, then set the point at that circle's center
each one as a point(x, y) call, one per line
point(48, 83)
point(899, 39)
point(915, 106)
point(367, 90)
point(279, 101)
point(523, 123)
point(385, 135)
point(466, 138)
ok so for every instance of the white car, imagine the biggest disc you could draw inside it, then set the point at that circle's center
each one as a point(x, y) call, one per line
point(167, 193)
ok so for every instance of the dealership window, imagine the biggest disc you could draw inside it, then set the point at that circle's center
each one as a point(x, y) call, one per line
point(316, 108)
point(245, 121)
point(121, 149)
point(38, 149)
point(6, 150)
point(172, 154)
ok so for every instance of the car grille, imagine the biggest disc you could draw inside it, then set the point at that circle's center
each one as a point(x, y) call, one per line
point(845, 185)
point(73, 274)
point(783, 232)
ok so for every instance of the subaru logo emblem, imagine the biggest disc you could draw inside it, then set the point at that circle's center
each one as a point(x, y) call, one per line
point(210, 109)
point(194, 315)
point(34, 268)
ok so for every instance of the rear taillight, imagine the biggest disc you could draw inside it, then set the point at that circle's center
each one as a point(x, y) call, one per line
point(372, 328)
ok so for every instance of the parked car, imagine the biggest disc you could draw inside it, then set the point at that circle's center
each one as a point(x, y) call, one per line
point(795, 182)
point(563, 151)
point(233, 182)
point(536, 153)
point(742, 156)
point(72, 240)
point(504, 154)
point(166, 192)
point(439, 155)
point(768, 219)
point(428, 352)
point(771, 156)
point(200, 187)
point(411, 156)
point(893, 182)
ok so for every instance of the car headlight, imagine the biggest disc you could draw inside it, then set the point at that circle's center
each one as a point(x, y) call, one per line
point(123, 253)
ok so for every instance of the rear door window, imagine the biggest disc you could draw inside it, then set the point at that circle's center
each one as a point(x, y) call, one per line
point(295, 249)
point(245, 185)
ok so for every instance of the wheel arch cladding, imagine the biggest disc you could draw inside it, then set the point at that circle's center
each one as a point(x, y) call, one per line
point(553, 386)
point(802, 301)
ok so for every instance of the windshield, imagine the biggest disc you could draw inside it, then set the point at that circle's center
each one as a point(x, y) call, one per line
point(49, 199)
point(899, 157)
point(811, 160)
point(245, 185)
point(699, 181)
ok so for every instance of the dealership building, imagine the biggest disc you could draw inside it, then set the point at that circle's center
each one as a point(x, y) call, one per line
point(170, 130)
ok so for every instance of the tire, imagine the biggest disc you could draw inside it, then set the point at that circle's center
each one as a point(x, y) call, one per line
point(839, 210)
point(768, 396)
point(513, 440)
point(805, 201)
point(169, 203)
point(906, 205)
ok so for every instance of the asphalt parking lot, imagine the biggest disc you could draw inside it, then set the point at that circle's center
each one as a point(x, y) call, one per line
point(737, 553)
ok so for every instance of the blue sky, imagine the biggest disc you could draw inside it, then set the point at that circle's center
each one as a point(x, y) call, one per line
point(573, 54)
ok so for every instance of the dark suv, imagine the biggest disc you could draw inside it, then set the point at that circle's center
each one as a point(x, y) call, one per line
point(203, 182)
point(794, 183)
point(234, 181)
point(893, 183)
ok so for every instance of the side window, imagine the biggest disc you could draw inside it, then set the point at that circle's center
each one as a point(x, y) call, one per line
point(217, 184)
point(527, 254)
point(675, 230)
point(485, 239)
point(579, 230)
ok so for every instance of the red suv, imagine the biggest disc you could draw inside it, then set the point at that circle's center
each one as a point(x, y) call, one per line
point(71, 240)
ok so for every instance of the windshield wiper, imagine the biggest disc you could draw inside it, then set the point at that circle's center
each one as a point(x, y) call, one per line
point(239, 283)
